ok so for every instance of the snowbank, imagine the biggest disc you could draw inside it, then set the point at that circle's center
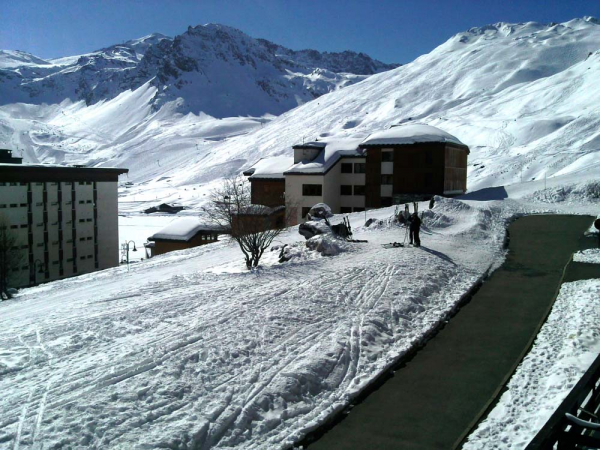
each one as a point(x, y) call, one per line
point(590, 256)
point(580, 192)
point(565, 347)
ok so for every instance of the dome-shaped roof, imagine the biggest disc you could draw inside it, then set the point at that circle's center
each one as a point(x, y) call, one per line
point(409, 134)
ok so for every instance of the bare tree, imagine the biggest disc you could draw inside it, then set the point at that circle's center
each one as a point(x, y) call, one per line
point(10, 257)
point(252, 227)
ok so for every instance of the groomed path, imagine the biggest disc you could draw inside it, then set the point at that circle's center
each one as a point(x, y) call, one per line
point(433, 401)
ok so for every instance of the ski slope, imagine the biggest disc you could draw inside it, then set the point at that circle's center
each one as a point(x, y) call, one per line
point(191, 349)
point(524, 97)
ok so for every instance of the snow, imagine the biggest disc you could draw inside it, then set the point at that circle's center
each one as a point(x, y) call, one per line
point(183, 229)
point(409, 134)
point(523, 97)
point(183, 350)
point(332, 151)
point(564, 349)
point(190, 349)
point(589, 256)
point(271, 167)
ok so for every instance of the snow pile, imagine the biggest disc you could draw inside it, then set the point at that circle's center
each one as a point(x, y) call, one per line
point(183, 229)
point(327, 244)
point(409, 134)
point(270, 167)
point(565, 347)
point(576, 193)
point(590, 256)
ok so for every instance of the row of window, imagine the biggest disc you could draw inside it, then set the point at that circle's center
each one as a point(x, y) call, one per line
point(24, 205)
point(353, 167)
point(13, 205)
point(53, 183)
point(347, 189)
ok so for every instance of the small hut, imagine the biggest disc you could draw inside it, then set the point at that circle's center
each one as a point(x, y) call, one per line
point(186, 232)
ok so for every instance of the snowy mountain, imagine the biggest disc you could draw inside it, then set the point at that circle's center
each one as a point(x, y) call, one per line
point(216, 69)
point(524, 97)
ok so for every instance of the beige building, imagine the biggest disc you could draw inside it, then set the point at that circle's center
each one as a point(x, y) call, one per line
point(64, 219)
point(400, 164)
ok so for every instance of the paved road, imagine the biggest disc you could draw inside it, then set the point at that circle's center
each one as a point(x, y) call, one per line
point(432, 401)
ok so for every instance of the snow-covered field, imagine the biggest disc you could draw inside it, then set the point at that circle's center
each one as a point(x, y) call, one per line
point(176, 352)
point(566, 346)
point(189, 348)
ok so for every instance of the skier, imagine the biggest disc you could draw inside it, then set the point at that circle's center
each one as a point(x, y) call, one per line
point(431, 203)
point(415, 228)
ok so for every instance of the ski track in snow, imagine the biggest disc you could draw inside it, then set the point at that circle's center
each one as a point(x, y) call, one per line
point(171, 354)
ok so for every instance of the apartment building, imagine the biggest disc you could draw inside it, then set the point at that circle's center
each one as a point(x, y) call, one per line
point(64, 219)
point(403, 163)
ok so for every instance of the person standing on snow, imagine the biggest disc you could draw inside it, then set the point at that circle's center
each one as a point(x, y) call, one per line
point(415, 228)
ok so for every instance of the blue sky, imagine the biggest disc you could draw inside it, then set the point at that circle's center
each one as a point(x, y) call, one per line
point(392, 31)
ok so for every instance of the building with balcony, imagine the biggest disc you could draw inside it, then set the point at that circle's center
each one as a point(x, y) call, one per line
point(401, 164)
point(63, 218)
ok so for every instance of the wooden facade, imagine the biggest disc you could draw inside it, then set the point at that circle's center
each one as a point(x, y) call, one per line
point(168, 245)
point(433, 168)
point(268, 191)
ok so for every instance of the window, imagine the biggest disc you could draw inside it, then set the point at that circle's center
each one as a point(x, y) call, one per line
point(13, 205)
point(359, 167)
point(359, 209)
point(387, 156)
point(359, 190)
point(345, 210)
point(346, 167)
point(312, 190)
point(305, 212)
point(428, 179)
point(23, 205)
point(346, 189)
point(387, 179)
point(429, 157)
point(2, 206)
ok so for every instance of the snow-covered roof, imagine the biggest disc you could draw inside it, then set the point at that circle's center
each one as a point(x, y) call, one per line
point(409, 134)
point(272, 167)
point(331, 152)
point(183, 229)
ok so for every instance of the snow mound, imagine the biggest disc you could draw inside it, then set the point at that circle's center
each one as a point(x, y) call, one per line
point(590, 256)
point(577, 193)
point(327, 245)
point(410, 134)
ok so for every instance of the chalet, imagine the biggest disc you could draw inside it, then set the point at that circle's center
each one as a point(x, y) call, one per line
point(403, 163)
point(182, 233)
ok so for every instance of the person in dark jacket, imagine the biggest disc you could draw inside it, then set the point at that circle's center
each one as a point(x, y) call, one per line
point(415, 228)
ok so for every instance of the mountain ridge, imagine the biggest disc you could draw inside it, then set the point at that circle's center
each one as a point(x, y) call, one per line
point(199, 57)
point(523, 97)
